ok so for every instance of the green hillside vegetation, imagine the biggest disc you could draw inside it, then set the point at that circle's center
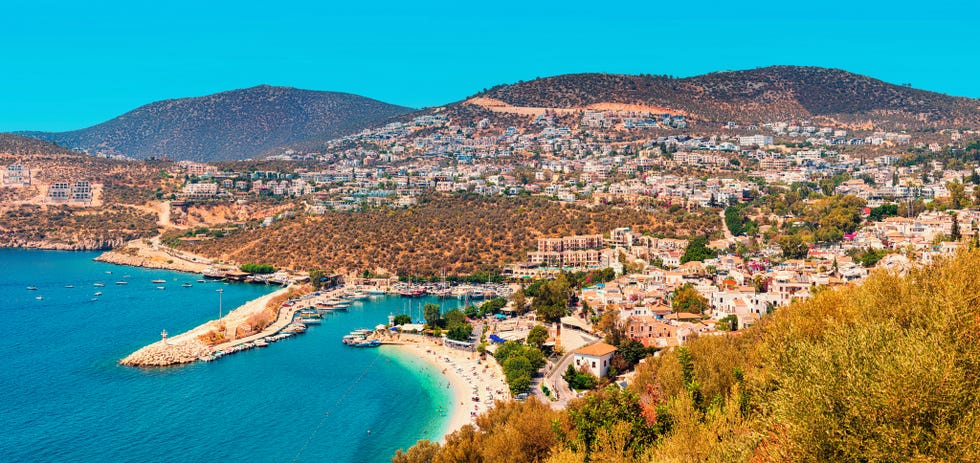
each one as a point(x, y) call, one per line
point(886, 371)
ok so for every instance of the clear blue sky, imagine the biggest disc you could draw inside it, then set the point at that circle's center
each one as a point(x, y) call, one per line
point(68, 65)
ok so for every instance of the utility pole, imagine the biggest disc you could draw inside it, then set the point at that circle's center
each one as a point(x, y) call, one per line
point(220, 292)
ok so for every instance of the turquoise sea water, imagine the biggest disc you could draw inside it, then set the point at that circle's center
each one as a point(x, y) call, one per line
point(308, 398)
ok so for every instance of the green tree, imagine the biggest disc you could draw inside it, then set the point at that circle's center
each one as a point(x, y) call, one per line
point(687, 299)
point(402, 319)
point(318, 279)
point(257, 268)
point(454, 317)
point(954, 234)
point(551, 301)
point(729, 323)
point(698, 250)
point(520, 301)
point(793, 247)
point(460, 331)
point(432, 315)
point(957, 196)
point(579, 379)
point(537, 336)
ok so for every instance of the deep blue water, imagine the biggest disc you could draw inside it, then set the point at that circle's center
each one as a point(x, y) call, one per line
point(308, 398)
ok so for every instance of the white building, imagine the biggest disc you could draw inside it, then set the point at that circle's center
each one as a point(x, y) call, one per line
point(595, 358)
point(759, 140)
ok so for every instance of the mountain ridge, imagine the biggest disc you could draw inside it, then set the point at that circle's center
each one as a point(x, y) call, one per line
point(234, 124)
point(259, 120)
point(752, 95)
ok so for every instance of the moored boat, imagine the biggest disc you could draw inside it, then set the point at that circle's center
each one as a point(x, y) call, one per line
point(120, 283)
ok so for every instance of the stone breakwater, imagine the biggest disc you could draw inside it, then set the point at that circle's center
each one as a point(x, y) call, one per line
point(159, 354)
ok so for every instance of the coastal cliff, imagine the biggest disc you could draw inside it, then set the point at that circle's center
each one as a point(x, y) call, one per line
point(80, 245)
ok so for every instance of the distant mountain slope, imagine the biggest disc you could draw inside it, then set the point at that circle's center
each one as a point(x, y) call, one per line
point(230, 125)
point(764, 94)
point(16, 145)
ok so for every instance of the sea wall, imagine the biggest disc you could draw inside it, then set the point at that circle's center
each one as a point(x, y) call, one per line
point(163, 354)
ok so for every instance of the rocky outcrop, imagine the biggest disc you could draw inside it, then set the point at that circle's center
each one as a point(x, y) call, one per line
point(81, 245)
point(138, 253)
point(161, 354)
point(115, 257)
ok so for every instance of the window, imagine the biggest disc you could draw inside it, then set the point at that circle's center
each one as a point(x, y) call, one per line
point(593, 364)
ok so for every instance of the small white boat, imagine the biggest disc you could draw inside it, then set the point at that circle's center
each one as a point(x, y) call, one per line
point(32, 288)
point(39, 298)
point(100, 285)
point(187, 285)
point(98, 293)
point(120, 283)
point(158, 282)
point(69, 286)
point(161, 287)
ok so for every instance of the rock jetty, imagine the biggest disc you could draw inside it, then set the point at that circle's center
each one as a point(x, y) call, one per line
point(163, 354)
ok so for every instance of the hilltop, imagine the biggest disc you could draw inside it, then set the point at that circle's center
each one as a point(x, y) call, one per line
point(749, 96)
point(237, 124)
point(16, 145)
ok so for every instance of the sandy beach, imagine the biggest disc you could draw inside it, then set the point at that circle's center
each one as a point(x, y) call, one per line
point(468, 377)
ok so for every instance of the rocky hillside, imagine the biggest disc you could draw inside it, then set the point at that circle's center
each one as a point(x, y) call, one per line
point(764, 94)
point(238, 124)
point(17, 146)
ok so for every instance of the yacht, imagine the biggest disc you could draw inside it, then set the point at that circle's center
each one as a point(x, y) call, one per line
point(100, 285)
point(98, 293)
point(69, 286)
point(187, 285)
point(32, 288)
point(120, 283)
point(158, 282)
